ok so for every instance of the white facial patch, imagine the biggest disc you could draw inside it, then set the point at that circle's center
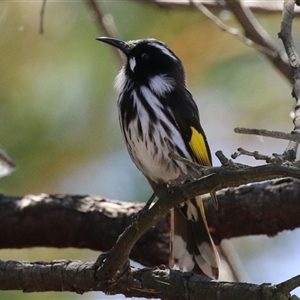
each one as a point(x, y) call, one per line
point(163, 49)
point(132, 63)
point(161, 84)
point(120, 81)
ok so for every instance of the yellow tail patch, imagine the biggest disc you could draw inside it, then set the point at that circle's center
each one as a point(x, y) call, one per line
point(198, 146)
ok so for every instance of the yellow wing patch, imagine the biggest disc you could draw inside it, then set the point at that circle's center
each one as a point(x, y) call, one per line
point(198, 146)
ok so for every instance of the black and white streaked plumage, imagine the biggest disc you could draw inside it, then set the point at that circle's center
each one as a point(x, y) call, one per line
point(154, 103)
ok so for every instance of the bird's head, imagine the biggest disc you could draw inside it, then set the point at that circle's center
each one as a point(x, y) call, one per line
point(148, 58)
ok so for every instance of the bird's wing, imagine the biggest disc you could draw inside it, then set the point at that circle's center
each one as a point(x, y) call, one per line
point(187, 119)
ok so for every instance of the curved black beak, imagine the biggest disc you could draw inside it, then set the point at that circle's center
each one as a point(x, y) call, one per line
point(123, 46)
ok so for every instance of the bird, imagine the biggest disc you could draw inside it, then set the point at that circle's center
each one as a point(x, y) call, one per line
point(157, 112)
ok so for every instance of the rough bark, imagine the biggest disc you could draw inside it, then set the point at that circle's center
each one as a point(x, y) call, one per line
point(79, 277)
point(94, 222)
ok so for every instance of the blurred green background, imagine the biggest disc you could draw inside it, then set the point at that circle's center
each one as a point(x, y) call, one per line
point(58, 112)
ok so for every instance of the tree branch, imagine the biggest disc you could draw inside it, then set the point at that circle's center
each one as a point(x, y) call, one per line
point(216, 179)
point(42, 14)
point(113, 273)
point(231, 30)
point(264, 7)
point(79, 277)
point(106, 25)
point(83, 221)
point(286, 36)
point(255, 32)
point(272, 134)
point(80, 222)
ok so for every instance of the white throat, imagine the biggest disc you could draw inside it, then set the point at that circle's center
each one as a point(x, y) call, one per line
point(120, 81)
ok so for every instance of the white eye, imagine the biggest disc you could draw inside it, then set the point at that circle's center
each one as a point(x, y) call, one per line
point(145, 56)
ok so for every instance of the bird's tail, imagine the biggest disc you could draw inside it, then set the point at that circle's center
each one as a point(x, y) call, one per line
point(192, 248)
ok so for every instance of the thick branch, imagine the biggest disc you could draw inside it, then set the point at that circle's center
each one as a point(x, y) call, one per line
point(216, 179)
point(79, 277)
point(96, 223)
point(80, 222)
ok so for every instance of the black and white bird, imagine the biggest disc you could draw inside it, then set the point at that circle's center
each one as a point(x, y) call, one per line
point(154, 103)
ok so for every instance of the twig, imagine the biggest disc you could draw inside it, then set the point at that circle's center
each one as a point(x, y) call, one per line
point(257, 34)
point(294, 136)
point(223, 159)
point(255, 154)
point(263, 7)
point(233, 31)
point(285, 35)
point(42, 16)
point(108, 28)
point(274, 159)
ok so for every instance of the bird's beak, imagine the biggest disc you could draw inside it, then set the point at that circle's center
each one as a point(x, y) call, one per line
point(123, 46)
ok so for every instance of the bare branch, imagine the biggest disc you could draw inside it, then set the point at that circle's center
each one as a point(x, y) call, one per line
point(42, 16)
point(294, 136)
point(255, 154)
point(220, 177)
point(257, 34)
point(163, 283)
point(286, 35)
point(28, 221)
point(105, 24)
point(290, 284)
point(80, 222)
point(264, 7)
point(233, 31)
